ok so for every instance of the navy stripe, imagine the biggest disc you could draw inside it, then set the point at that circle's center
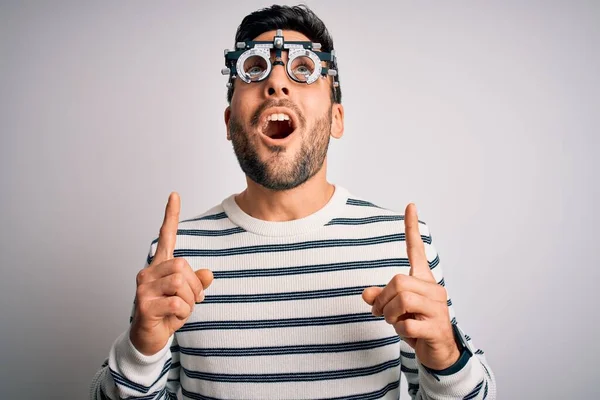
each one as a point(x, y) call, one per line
point(279, 323)
point(407, 355)
point(407, 370)
point(360, 203)
point(434, 263)
point(297, 349)
point(148, 396)
point(123, 381)
point(474, 392)
point(311, 269)
point(293, 376)
point(197, 396)
point(479, 351)
point(486, 371)
point(449, 302)
point(363, 203)
point(314, 244)
point(413, 388)
point(318, 268)
point(174, 349)
point(374, 219)
point(212, 217)
point(285, 296)
point(103, 396)
point(275, 248)
point(442, 282)
point(363, 396)
point(365, 220)
point(485, 391)
point(207, 232)
point(175, 365)
point(368, 396)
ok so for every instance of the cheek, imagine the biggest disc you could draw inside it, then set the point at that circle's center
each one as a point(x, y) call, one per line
point(240, 110)
point(315, 110)
point(242, 99)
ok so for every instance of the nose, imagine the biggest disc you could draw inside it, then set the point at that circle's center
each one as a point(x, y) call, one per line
point(278, 83)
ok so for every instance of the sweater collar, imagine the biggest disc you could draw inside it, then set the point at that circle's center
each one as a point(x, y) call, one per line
point(299, 226)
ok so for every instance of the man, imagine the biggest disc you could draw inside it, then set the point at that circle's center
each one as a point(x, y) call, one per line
point(317, 293)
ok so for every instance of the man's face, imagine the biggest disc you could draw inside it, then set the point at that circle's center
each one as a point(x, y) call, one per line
point(282, 154)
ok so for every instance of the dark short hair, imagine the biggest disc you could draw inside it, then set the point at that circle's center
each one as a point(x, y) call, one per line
point(297, 18)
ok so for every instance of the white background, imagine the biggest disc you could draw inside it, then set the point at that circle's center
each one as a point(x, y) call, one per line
point(484, 114)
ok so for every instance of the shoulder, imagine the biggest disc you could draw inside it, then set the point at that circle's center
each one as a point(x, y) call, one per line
point(216, 213)
point(213, 222)
point(358, 206)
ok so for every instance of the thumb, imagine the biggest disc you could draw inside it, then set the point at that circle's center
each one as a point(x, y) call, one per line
point(370, 293)
point(205, 276)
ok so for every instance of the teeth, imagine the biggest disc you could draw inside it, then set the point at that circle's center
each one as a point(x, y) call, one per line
point(278, 117)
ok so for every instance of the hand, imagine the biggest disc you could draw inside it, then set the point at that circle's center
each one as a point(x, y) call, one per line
point(167, 289)
point(416, 305)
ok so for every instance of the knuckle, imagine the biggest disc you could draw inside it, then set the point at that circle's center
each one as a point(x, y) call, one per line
point(177, 280)
point(163, 231)
point(398, 280)
point(174, 303)
point(179, 264)
point(140, 292)
point(389, 318)
point(141, 277)
point(143, 308)
point(405, 297)
point(176, 267)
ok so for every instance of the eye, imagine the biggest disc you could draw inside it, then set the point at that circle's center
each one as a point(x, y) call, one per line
point(302, 70)
point(255, 67)
point(255, 70)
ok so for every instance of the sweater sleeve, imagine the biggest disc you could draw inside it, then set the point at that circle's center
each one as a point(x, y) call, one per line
point(469, 378)
point(127, 373)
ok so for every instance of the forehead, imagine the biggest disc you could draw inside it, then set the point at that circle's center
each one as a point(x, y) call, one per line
point(290, 36)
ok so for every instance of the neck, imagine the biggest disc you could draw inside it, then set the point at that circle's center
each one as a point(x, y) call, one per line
point(287, 205)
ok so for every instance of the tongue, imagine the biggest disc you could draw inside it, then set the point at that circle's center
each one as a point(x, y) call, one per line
point(278, 129)
point(280, 136)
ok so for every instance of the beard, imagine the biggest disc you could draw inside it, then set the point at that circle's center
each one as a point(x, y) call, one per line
point(278, 172)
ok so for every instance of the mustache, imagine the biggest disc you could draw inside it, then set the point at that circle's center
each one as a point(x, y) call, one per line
point(276, 103)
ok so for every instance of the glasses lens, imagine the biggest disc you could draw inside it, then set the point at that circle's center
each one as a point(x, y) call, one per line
point(302, 68)
point(255, 67)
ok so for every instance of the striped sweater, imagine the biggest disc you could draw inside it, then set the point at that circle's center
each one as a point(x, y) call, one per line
point(284, 317)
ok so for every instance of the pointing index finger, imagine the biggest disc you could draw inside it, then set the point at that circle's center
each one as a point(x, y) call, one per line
point(419, 266)
point(168, 230)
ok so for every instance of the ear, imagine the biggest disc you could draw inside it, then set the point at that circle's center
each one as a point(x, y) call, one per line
point(337, 120)
point(226, 116)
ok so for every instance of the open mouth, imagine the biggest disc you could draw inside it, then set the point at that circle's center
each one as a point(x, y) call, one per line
point(278, 126)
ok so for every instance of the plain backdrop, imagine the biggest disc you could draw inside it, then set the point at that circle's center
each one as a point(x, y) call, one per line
point(484, 114)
